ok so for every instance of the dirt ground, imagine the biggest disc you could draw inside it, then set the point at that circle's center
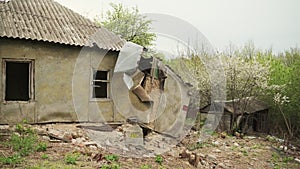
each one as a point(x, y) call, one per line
point(219, 151)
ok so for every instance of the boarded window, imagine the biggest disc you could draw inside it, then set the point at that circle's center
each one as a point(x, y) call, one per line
point(18, 85)
point(101, 84)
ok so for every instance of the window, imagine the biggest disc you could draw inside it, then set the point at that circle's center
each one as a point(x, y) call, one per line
point(18, 80)
point(100, 84)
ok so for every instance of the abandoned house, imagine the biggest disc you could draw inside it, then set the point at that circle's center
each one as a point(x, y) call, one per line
point(58, 66)
point(249, 115)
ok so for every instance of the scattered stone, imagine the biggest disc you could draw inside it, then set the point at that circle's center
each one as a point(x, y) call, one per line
point(149, 155)
point(173, 153)
point(185, 154)
point(90, 143)
point(93, 147)
point(201, 155)
point(237, 134)
point(217, 151)
point(53, 132)
point(211, 157)
point(251, 137)
point(75, 135)
point(221, 165)
point(4, 127)
point(55, 141)
point(125, 149)
point(80, 134)
point(197, 160)
point(46, 138)
point(297, 160)
point(203, 162)
point(283, 148)
point(215, 143)
point(192, 159)
point(40, 131)
point(67, 137)
point(236, 144)
point(129, 160)
point(79, 140)
point(223, 135)
point(254, 159)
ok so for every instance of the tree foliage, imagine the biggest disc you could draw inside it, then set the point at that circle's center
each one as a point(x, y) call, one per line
point(129, 24)
point(250, 72)
point(285, 70)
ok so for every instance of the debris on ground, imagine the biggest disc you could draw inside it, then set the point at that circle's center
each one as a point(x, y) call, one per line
point(220, 151)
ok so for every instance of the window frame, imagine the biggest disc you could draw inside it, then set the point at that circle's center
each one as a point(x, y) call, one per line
point(31, 86)
point(108, 81)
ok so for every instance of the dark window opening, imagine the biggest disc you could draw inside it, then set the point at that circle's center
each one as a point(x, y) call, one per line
point(100, 84)
point(17, 85)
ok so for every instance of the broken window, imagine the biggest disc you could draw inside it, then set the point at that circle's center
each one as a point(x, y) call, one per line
point(18, 80)
point(100, 84)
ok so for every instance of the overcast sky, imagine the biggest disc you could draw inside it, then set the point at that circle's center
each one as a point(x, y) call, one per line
point(268, 23)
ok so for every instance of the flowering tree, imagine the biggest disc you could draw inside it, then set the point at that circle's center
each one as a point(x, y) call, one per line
point(247, 80)
point(129, 24)
point(279, 101)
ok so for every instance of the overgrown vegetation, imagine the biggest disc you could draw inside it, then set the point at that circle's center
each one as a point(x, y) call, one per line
point(272, 78)
point(23, 142)
point(280, 160)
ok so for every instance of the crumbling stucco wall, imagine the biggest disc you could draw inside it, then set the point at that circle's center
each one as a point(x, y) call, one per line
point(53, 79)
point(172, 119)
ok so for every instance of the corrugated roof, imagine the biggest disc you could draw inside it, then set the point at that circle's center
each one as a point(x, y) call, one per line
point(238, 106)
point(47, 20)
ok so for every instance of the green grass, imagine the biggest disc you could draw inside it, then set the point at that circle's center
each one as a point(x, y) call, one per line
point(42, 146)
point(245, 152)
point(44, 156)
point(11, 160)
point(196, 146)
point(23, 142)
point(71, 158)
point(282, 161)
point(111, 166)
point(111, 157)
point(159, 159)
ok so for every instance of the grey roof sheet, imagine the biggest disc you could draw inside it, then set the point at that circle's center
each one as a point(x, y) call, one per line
point(47, 20)
point(245, 105)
